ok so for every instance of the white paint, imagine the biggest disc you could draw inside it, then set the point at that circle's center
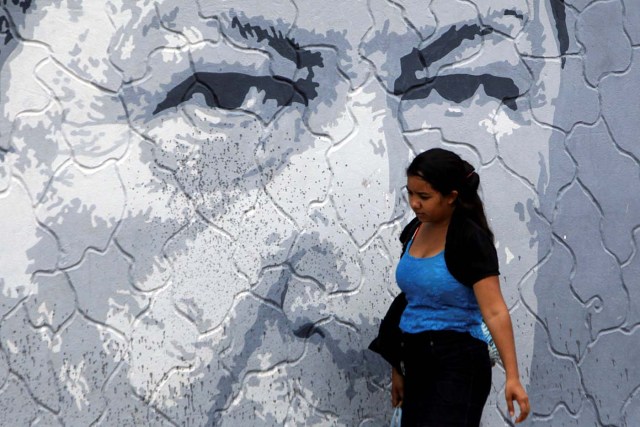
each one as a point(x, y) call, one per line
point(312, 299)
point(499, 125)
point(24, 93)
point(509, 255)
point(170, 55)
point(74, 382)
point(204, 115)
point(192, 34)
point(56, 344)
point(127, 48)
point(13, 348)
point(48, 314)
point(19, 226)
point(265, 360)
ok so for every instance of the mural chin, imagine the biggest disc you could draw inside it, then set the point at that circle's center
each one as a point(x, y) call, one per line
point(234, 171)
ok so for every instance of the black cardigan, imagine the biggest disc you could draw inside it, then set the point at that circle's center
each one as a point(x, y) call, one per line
point(470, 256)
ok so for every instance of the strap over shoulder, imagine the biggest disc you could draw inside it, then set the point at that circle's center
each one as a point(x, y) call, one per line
point(408, 232)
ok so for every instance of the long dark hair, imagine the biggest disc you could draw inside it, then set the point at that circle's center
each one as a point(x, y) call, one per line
point(445, 171)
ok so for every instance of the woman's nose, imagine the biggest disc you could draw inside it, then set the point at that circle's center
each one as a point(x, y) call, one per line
point(414, 203)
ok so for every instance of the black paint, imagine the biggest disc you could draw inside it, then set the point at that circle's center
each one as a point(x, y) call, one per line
point(284, 46)
point(559, 11)
point(5, 34)
point(455, 87)
point(420, 59)
point(228, 90)
point(511, 12)
point(460, 87)
point(23, 4)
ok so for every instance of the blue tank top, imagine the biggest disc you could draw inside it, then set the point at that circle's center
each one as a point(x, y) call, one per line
point(436, 301)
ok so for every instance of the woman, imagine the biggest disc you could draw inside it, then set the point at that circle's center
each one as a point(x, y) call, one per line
point(448, 273)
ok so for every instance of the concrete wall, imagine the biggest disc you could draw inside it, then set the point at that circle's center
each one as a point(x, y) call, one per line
point(201, 200)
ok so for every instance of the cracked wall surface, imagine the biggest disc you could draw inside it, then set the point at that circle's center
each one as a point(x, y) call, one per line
point(201, 201)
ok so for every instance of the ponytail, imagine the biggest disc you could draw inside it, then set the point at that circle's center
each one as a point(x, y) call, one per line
point(468, 201)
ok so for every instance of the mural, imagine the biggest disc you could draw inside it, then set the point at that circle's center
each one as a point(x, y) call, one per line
point(201, 201)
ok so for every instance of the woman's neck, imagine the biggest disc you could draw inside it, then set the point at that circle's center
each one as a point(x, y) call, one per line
point(429, 240)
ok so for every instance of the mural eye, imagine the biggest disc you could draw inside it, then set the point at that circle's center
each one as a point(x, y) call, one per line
point(460, 87)
point(420, 74)
point(229, 91)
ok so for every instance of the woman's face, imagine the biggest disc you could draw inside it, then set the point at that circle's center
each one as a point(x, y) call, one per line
point(429, 204)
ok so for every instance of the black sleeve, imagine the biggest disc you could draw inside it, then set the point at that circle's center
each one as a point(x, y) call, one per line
point(482, 257)
point(388, 342)
point(470, 253)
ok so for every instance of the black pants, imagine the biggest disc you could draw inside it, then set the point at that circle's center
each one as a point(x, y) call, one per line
point(447, 379)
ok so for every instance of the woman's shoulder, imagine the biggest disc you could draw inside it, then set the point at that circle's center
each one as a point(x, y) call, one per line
point(470, 252)
point(464, 230)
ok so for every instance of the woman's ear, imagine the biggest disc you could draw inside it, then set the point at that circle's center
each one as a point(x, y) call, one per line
point(452, 197)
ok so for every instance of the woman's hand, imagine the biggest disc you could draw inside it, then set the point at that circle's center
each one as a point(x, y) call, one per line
point(513, 390)
point(496, 316)
point(397, 388)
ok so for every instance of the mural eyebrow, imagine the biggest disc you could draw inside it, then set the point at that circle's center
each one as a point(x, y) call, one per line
point(421, 59)
point(284, 46)
point(227, 90)
point(454, 87)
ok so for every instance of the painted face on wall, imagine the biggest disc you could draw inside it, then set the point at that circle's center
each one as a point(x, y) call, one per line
point(205, 197)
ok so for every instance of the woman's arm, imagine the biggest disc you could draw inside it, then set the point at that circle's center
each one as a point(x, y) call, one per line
point(496, 316)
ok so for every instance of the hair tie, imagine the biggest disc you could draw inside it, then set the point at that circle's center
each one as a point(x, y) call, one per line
point(470, 173)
